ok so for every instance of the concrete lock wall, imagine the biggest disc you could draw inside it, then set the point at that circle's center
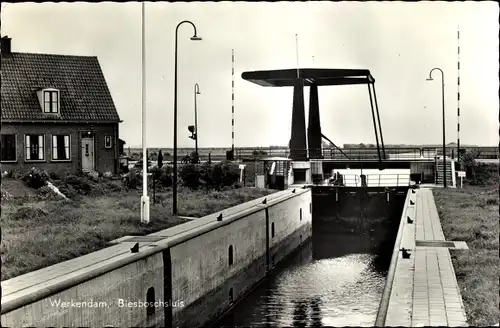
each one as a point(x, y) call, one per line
point(189, 271)
point(129, 283)
point(202, 276)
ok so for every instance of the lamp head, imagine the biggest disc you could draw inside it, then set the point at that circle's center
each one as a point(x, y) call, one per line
point(429, 79)
point(198, 92)
point(196, 38)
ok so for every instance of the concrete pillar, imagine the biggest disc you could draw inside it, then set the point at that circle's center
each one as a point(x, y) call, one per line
point(298, 146)
point(314, 129)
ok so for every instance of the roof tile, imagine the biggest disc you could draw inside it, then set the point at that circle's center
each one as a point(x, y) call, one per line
point(84, 94)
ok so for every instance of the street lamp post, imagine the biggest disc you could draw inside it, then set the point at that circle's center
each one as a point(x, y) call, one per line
point(444, 128)
point(174, 182)
point(196, 92)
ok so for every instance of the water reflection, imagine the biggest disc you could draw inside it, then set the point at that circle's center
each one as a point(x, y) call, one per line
point(333, 281)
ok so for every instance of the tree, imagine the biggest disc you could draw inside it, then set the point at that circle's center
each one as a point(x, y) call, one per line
point(160, 159)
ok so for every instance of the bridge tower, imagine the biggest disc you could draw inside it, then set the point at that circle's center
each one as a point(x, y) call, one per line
point(314, 128)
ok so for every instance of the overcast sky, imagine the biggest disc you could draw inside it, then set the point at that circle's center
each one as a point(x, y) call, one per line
point(398, 42)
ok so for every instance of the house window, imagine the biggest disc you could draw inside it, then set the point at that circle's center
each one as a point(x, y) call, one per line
point(51, 101)
point(60, 147)
point(8, 147)
point(35, 147)
point(107, 141)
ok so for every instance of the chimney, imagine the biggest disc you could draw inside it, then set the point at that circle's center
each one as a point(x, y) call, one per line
point(6, 50)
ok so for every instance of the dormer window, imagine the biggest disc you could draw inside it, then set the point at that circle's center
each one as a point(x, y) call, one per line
point(51, 101)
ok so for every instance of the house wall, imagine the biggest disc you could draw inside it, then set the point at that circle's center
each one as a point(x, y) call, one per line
point(105, 159)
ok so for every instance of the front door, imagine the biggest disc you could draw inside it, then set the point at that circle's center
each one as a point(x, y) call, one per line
point(88, 154)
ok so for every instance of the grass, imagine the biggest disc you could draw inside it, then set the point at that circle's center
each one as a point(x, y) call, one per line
point(39, 233)
point(471, 215)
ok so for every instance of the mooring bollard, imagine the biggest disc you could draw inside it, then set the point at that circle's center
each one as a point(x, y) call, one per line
point(406, 253)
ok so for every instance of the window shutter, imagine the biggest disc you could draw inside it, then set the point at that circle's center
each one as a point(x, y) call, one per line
point(54, 147)
point(28, 148)
point(66, 146)
point(40, 147)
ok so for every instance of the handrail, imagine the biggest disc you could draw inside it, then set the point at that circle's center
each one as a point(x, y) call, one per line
point(332, 153)
point(363, 153)
point(378, 180)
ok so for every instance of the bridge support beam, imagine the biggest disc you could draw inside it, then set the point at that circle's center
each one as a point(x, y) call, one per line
point(298, 146)
point(314, 128)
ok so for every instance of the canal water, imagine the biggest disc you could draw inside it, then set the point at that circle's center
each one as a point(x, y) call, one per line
point(336, 279)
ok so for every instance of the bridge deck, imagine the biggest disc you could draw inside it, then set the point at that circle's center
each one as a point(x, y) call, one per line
point(424, 291)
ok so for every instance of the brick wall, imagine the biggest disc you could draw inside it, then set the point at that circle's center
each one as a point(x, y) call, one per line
point(106, 159)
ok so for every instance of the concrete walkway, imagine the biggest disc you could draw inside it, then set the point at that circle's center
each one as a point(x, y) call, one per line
point(425, 290)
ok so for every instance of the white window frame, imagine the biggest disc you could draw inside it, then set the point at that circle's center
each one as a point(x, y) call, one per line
point(26, 148)
point(50, 106)
point(55, 153)
point(106, 145)
point(15, 151)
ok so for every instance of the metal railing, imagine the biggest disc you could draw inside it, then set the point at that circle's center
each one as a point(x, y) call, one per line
point(403, 153)
point(406, 153)
point(372, 180)
point(345, 154)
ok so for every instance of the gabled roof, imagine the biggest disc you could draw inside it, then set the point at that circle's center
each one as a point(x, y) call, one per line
point(84, 94)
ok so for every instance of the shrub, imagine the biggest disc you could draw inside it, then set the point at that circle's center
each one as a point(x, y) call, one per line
point(478, 173)
point(54, 176)
point(230, 155)
point(35, 178)
point(224, 174)
point(206, 175)
point(133, 179)
point(12, 174)
point(79, 184)
point(68, 191)
point(190, 175)
point(160, 159)
point(163, 175)
point(230, 173)
point(113, 186)
point(45, 193)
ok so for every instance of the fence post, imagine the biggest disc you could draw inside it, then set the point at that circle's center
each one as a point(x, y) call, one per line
point(397, 180)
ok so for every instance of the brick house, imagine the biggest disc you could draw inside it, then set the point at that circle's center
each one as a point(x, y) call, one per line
point(57, 114)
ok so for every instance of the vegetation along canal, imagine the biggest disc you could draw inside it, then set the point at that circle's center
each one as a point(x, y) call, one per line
point(338, 277)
